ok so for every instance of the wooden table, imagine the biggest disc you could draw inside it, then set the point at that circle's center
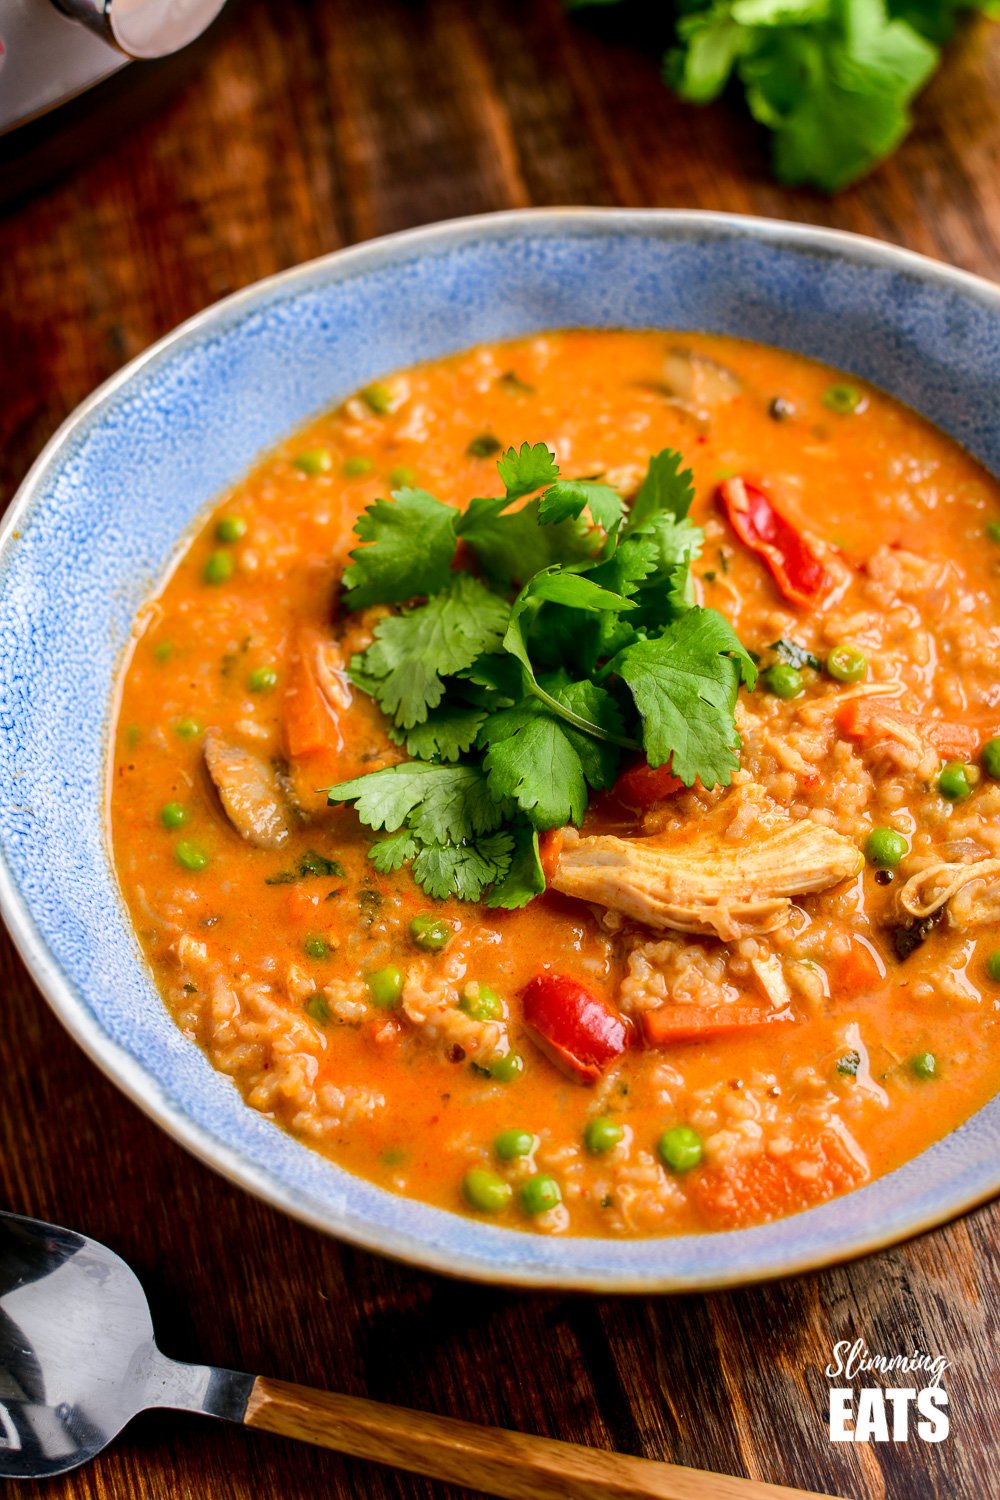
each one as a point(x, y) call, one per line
point(311, 126)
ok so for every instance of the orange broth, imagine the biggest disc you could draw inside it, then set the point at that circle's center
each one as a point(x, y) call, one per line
point(239, 948)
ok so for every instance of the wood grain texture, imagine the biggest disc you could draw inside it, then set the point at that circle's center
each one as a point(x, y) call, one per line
point(317, 123)
point(493, 1460)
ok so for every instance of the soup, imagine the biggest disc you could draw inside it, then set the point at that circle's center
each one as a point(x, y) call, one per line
point(658, 888)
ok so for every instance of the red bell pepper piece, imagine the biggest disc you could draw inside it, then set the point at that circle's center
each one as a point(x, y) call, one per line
point(578, 1032)
point(795, 567)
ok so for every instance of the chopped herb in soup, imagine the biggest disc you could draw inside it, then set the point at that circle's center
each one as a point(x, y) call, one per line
point(562, 784)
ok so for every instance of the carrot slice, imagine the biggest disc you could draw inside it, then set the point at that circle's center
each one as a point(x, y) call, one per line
point(309, 722)
point(753, 1189)
point(866, 719)
point(702, 1023)
point(550, 844)
point(642, 785)
point(860, 970)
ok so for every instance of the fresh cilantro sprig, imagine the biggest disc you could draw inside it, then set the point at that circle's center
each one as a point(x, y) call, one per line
point(540, 634)
point(832, 79)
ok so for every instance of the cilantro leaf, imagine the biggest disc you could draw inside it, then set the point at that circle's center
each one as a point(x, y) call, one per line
point(599, 759)
point(510, 548)
point(525, 469)
point(308, 865)
point(412, 652)
point(391, 854)
point(411, 543)
point(438, 803)
point(567, 499)
point(531, 761)
point(464, 870)
point(667, 489)
point(684, 683)
point(447, 732)
point(525, 877)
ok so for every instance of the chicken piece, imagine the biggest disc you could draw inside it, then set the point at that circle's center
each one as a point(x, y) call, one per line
point(697, 884)
point(969, 890)
point(250, 793)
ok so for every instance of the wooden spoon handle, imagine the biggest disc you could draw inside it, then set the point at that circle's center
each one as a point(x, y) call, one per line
point(488, 1459)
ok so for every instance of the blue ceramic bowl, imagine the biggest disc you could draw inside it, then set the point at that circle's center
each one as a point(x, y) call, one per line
point(106, 509)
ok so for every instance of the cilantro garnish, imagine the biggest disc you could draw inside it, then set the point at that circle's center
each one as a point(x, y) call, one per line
point(517, 696)
point(307, 865)
point(833, 79)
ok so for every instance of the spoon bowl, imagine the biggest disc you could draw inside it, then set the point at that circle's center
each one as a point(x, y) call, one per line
point(78, 1358)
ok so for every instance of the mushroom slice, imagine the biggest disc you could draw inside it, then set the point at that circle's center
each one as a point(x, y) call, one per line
point(697, 382)
point(250, 792)
point(699, 885)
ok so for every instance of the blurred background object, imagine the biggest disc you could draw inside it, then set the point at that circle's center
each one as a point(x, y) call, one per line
point(69, 74)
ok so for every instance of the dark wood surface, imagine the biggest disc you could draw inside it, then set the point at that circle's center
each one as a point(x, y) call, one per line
point(308, 127)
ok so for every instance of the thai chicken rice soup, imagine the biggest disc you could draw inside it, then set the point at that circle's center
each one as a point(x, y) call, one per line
point(562, 784)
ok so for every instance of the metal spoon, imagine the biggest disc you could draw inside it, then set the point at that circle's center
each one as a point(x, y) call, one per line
point(78, 1361)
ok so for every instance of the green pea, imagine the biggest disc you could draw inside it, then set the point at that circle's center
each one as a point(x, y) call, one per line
point(993, 530)
point(188, 729)
point(508, 1067)
point(680, 1148)
point(163, 651)
point(314, 461)
point(385, 987)
point(602, 1134)
point(432, 934)
point(486, 1191)
point(219, 567)
point(511, 1144)
point(315, 946)
point(953, 782)
point(378, 398)
point(783, 681)
point(993, 966)
point(357, 465)
point(843, 399)
point(262, 679)
point(847, 664)
point(191, 856)
point(317, 1008)
point(539, 1193)
point(133, 735)
point(402, 477)
point(990, 757)
point(173, 814)
point(923, 1065)
point(230, 529)
point(484, 446)
point(482, 1004)
point(885, 847)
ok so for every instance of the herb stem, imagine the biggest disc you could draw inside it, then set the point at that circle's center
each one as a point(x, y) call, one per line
point(578, 721)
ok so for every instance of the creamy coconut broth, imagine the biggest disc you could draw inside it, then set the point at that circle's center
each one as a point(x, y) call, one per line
point(733, 1001)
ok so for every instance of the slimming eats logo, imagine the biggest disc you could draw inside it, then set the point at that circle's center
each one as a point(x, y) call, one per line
point(887, 1413)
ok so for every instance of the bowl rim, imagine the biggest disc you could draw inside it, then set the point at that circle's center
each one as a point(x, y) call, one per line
point(131, 1076)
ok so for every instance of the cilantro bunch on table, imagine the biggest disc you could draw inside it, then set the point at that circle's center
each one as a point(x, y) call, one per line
point(833, 79)
point(541, 635)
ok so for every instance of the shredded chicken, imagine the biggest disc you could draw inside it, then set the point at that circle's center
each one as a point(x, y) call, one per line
point(696, 884)
point(250, 792)
point(331, 674)
point(970, 891)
